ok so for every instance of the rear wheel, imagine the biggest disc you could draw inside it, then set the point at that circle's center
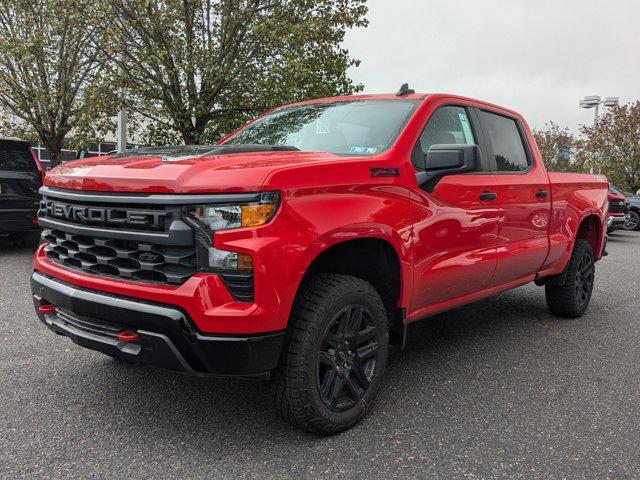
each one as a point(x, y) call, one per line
point(633, 221)
point(334, 355)
point(572, 299)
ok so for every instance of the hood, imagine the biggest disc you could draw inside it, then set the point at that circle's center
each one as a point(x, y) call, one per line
point(615, 196)
point(152, 171)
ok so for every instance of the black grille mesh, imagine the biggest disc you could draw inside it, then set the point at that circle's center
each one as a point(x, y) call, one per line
point(121, 258)
point(240, 285)
point(617, 207)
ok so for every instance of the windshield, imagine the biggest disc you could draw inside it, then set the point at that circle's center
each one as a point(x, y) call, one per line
point(615, 191)
point(358, 127)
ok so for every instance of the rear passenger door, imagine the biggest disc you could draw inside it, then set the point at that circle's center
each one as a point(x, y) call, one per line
point(523, 197)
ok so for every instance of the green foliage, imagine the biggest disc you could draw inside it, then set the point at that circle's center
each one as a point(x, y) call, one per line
point(613, 143)
point(202, 68)
point(51, 81)
point(551, 140)
point(611, 146)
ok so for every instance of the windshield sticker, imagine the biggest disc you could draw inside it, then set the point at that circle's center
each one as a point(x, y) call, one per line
point(466, 128)
point(322, 127)
point(367, 150)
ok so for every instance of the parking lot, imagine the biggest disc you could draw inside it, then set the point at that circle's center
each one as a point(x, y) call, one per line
point(498, 389)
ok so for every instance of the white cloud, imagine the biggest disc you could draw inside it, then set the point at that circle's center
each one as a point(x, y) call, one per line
point(537, 57)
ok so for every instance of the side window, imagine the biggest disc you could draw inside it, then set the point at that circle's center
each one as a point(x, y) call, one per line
point(447, 125)
point(506, 141)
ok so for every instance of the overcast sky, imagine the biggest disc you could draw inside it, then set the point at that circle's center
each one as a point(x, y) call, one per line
point(539, 57)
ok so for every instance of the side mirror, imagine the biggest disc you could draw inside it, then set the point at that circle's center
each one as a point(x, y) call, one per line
point(442, 160)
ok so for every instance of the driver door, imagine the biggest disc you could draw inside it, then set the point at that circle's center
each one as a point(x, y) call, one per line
point(456, 229)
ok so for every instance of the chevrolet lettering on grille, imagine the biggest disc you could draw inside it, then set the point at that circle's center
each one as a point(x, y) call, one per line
point(103, 215)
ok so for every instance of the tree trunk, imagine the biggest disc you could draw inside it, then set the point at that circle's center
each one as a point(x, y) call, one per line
point(54, 147)
point(56, 158)
point(190, 134)
point(189, 137)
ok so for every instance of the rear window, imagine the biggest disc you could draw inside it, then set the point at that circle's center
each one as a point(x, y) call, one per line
point(506, 142)
point(15, 156)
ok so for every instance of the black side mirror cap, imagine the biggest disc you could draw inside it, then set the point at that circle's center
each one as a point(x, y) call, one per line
point(442, 160)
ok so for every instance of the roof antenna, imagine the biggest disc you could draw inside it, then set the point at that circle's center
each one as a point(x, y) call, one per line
point(404, 90)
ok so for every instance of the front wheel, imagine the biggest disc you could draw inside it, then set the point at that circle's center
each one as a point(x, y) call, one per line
point(334, 355)
point(633, 221)
point(572, 299)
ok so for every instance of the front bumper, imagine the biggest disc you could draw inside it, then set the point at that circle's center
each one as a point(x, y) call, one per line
point(166, 336)
point(616, 221)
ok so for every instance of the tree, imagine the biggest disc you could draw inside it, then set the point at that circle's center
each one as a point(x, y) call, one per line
point(557, 147)
point(51, 80)
point(614, 144)
point(203, 67)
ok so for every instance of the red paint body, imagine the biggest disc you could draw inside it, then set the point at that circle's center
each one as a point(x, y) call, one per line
point(452, 247)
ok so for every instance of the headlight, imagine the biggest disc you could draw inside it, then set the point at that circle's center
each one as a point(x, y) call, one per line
point(208, 219)
point(224, 217)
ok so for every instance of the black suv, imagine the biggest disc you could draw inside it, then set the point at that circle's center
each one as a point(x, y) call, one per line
point(21, 177)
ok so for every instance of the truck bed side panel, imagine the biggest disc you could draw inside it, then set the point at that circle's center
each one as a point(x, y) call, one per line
point(574, 197)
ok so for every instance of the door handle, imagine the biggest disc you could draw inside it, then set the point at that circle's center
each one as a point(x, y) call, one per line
point(542, 194)
point(488, 196)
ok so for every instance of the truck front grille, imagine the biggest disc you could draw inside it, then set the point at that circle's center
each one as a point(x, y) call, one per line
point(125, 259)
point(137, 237)
point(618, 207)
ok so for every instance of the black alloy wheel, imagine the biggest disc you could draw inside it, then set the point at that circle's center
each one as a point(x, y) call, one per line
point(347, 358)
point(571, 298)
point(584, 278)
point(633, 221)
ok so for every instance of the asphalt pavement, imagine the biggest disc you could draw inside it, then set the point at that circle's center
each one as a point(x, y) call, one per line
point(497, 389)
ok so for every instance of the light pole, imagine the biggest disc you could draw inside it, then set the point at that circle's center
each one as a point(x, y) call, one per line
point(594, 101)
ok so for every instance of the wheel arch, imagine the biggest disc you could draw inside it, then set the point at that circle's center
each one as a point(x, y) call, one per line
point(375, 259)
point(590, 229)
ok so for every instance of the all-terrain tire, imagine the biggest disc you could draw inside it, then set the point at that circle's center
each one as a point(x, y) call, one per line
point(299, 384)
point(572, 299)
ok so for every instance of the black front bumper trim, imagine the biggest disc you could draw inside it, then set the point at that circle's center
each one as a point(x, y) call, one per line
point(167, 337)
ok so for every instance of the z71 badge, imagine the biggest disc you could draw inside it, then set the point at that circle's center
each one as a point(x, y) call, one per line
point(385, 172)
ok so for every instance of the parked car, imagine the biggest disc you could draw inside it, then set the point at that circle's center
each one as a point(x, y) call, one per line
point(633, 220)
point(298, 247)
point(633, 215)
point(618, 210)
point(21, 176)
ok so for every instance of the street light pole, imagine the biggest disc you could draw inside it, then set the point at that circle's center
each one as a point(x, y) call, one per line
point(594, 101)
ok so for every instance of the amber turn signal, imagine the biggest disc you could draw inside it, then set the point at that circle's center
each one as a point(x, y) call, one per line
point(254, 215)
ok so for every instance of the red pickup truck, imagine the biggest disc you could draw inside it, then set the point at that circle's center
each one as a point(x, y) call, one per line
point(301, 245)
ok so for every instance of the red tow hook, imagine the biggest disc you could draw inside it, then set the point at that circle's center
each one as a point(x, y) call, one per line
point(128, 336)
point(47, 308)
